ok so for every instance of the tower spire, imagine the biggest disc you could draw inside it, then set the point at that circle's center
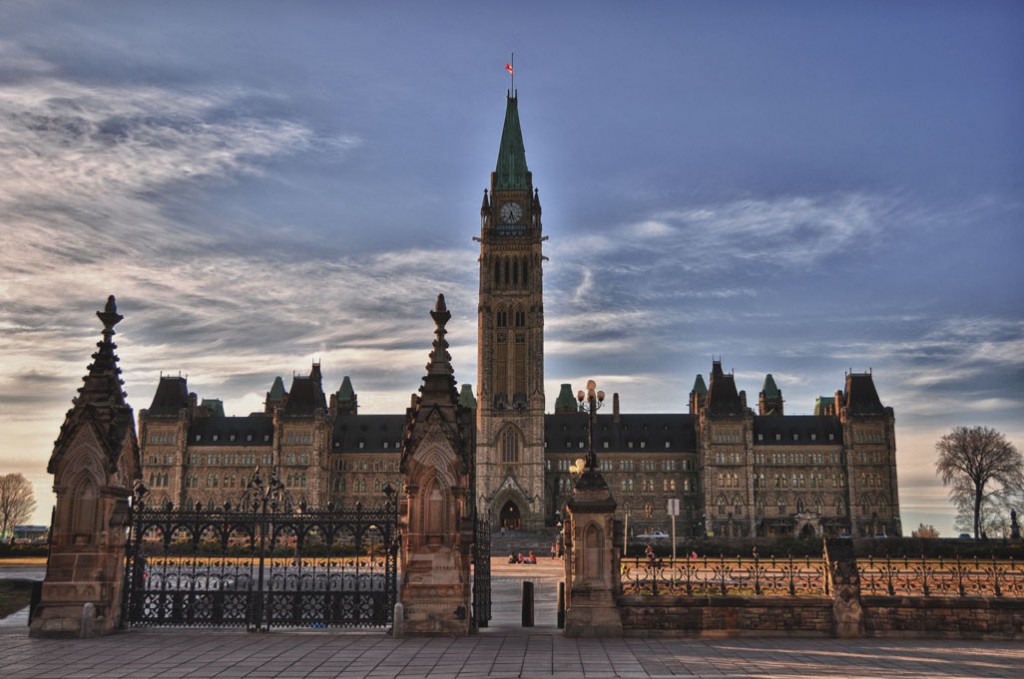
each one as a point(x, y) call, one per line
point(511, 171)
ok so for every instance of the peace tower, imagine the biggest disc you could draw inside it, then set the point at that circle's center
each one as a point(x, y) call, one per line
point(510, 334)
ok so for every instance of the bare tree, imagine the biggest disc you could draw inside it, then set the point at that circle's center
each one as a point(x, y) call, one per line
point(979, 465)
point(17, 502)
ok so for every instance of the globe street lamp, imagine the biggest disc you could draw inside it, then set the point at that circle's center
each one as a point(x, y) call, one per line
point(590, 401)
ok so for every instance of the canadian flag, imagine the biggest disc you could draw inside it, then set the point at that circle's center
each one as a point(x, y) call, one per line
point(508, 67)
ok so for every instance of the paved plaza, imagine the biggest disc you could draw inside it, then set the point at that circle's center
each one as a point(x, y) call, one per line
point(505, 649)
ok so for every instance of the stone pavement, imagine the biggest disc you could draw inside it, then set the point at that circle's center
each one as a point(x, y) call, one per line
point(504, 650)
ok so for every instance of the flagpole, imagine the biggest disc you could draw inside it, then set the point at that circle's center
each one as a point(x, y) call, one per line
point(513, 73)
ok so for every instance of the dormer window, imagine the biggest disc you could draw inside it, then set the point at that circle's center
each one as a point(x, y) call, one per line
point(215, 437)
point(199, 437)
point(231, 437)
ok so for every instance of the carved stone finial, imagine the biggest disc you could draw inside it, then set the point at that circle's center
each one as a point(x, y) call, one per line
point(109, 316)
point(440, 314)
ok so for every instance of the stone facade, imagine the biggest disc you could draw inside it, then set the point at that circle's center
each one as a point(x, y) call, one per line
point(737, 471)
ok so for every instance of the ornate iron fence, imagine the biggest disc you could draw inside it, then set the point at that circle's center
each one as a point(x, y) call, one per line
point(264, 563)
point(709, 576)
point(481, 572)
point(941, 577)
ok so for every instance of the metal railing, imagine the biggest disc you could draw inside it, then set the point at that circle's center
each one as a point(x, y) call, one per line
point(725, 576)
point(941, 577)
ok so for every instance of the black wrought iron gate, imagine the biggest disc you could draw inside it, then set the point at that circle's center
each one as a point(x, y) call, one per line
point(262, 564)
point(481, 572)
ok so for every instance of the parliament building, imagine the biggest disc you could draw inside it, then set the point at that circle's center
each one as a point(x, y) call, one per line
point(734, 469)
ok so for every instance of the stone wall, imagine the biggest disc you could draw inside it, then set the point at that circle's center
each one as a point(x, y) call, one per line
point(847, 596)
point(952, 617)
point(736, 616)
point(731, 616)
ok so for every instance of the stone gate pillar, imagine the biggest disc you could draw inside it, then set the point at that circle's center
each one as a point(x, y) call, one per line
point(437, 511)
point(592, 561)
point(95, 464)
point(844, 580)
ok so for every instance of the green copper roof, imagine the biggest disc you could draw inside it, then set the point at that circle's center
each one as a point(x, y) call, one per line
point(565, 402)
point(769, 388)
point(511, 171)
point(215, 405)
point(346, 393)
point(823, 404)
point(699, 386)
point(277, 391)
point(466, 398)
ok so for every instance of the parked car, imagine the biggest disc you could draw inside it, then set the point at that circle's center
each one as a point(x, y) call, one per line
point(653, 535)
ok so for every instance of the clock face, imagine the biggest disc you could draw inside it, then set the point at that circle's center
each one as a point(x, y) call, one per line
point(511, 213)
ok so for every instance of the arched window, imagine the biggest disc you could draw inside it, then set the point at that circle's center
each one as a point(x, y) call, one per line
point(510, 446)
point(501, 319)
point(520, 318)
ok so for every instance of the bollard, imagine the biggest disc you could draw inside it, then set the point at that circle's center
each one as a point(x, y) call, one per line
point(527, 603)
point(88, 625)
point(561, 605)
point(398, 627)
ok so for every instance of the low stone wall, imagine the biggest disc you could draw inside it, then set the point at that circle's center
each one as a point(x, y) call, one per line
point(729, 616)
point(944, 617)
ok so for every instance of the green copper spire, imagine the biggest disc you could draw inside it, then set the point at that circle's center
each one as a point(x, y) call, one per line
point(277, 392)
point(346, 392)
point(566, 401)
point(699, 387)
point(769, 388)
point(511, 171)
point(466, 397)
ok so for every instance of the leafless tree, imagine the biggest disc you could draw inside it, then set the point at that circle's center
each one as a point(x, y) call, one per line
point(978, 464)
point(17, 502)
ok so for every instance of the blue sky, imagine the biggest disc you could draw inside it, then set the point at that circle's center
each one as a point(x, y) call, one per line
point(801, 188)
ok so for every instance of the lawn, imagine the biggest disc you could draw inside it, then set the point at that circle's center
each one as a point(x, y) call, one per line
point(14, 596)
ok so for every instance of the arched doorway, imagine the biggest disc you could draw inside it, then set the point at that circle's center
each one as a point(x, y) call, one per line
point(807, 531)
point(509, 517)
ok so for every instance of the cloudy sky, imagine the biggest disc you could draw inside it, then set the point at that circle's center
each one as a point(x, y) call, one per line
point(801, 188)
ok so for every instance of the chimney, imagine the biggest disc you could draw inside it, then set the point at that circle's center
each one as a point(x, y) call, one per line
point(615, 407)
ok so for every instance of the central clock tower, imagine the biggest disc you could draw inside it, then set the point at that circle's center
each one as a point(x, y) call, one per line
point(510, 341)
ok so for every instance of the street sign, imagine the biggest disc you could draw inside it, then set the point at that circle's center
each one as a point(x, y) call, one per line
point(673, 506)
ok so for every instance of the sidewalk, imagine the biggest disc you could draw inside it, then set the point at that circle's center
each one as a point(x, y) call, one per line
point(503, 650)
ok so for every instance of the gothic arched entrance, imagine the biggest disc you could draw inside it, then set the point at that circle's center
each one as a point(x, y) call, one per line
point(509, 517)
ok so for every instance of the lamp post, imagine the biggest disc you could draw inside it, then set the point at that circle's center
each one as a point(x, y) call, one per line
point(592, 566)
point(590, 401)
